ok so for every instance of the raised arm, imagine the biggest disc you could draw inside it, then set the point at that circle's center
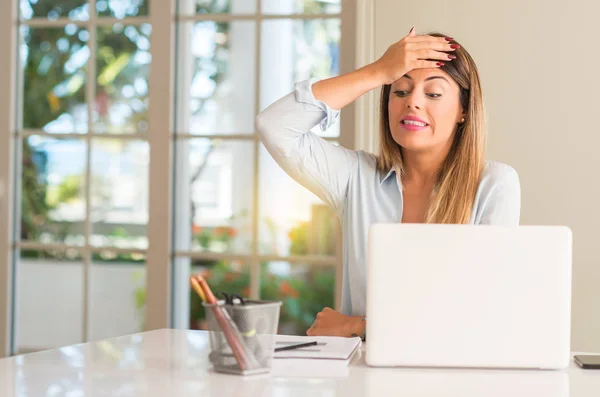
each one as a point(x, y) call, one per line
point(320, 166)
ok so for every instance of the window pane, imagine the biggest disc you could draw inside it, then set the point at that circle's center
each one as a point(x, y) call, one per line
point(232, 277)
point(283, 7)
point(123, 66)
point(293, 221)
point(216, 78)
point(296, 50)
point(50, 299)
point(119, 193)
point(304, 290)
point(214, 195)
point(122, 8)
point(53, 62)
point(54, 9)
point(117, 294)
point(53, 190)
point(217, 6)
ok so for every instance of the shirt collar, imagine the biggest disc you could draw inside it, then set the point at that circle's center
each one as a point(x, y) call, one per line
point(391, 172)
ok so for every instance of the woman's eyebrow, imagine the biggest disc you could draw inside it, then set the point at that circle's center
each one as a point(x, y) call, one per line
point(437, 77)
point(429, 78)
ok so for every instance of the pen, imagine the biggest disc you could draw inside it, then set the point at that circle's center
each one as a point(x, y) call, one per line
point(292, 347)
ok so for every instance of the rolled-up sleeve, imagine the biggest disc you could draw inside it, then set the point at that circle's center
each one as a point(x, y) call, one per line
point(320, 166)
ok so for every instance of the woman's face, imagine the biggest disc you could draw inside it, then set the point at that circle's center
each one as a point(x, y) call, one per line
point(424, 110)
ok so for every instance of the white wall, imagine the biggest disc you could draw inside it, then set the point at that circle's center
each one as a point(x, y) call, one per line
point(539, 64)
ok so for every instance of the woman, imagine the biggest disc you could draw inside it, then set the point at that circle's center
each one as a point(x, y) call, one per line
point(430, 168)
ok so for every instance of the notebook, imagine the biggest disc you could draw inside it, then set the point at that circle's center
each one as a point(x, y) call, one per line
point(329, 358)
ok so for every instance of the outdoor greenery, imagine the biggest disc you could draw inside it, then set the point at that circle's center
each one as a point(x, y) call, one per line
point(54, 82)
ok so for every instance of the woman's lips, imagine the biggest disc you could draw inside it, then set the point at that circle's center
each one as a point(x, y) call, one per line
point(413, 125)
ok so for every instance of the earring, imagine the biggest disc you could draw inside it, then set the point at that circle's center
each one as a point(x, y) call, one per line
point(462, 120)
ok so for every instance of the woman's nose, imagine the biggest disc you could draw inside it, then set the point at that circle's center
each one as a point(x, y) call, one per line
point(412, 102)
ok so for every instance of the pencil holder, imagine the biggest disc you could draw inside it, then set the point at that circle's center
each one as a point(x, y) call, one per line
point(242, 336)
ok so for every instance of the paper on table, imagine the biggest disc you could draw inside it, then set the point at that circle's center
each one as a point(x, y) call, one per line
point(329, 359)
point(328, 347)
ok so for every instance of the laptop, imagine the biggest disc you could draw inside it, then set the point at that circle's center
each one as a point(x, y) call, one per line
point(469, 296)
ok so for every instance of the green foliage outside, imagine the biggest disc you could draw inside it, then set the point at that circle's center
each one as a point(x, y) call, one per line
point(302, 297)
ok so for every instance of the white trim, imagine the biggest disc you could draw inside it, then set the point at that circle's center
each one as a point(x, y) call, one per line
point(253, 17)
point(90, 94)
point(366, 106)
point(308, 259)
point(30, 132)
point(142, 136)
point(138, 20)
point(7, 111)
point(34, 245)
point(255, 267)
point(16, 187)
point(93, 21)
point(158, 261)
point(180, 304)
point(348, 128)
point(236, 137)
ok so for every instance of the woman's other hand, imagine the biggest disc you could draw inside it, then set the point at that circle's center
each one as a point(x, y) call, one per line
point(333, 323)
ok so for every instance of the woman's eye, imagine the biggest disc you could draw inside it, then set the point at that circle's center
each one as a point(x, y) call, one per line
point(401, 93)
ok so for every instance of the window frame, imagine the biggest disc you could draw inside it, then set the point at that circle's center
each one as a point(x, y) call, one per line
point(356, 49)
point(8, 12)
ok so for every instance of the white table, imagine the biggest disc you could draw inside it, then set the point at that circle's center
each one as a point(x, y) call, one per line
point(175, 363)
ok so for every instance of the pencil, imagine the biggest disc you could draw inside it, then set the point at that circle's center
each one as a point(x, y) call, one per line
point(209, 296)
point(197, 288)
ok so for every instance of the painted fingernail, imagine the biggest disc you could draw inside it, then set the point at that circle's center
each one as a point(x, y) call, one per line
point(440, 63)
point(411, 29)
point(449, 38)
point(454, 46)
point(451, 56)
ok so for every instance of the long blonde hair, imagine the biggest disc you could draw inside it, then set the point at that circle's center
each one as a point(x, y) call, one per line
point(458, 177)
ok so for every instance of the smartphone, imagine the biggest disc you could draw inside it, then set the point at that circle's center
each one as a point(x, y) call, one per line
point(588, 361)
